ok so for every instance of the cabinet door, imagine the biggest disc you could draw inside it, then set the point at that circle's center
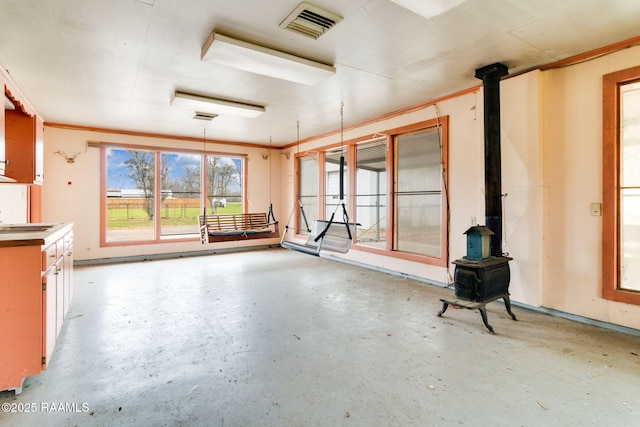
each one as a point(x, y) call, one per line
point(20, 146)
point(50, 314)
point(21, 310)
point(59, 295)
point(68, 272)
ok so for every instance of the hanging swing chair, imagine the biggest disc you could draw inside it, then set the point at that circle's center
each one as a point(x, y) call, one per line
point(241, 226)
point(329, 235)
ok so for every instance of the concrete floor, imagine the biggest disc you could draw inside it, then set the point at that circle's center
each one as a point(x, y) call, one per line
point(278, 338)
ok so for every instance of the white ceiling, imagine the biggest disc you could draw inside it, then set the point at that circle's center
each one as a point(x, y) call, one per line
point(116, 63)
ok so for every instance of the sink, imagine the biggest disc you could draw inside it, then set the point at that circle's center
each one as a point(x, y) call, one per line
point(12, 229)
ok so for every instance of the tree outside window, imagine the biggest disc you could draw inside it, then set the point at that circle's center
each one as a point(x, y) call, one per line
point(141, 206)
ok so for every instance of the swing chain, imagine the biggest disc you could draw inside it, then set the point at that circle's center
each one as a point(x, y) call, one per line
point(341, 124)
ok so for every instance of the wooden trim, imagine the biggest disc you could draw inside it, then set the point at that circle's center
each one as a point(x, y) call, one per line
point(155, 135)
point(103, 197)
point(203, 183)
point(611, 186)
point(391, 189)
point(149, 242)
point(322, 182)
point(296, 192)
point(351, 187)
point(99, 144)
point(35, 203)
point(15, 94)
point(157, 201)
point(407, 256)
point(592, 54)
point(244, 185)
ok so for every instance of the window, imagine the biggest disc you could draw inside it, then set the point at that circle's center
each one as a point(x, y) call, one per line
point(418, 193)
point(179, 193)
point(332, 177)
point(621, 186)
point(371, 193)
point(394, 190)
point(153, 196)
point(307, 193)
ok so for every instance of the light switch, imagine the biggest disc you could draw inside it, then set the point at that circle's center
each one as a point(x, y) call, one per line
point(596, 209)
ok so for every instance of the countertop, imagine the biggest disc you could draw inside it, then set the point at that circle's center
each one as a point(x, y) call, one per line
point(24, 234)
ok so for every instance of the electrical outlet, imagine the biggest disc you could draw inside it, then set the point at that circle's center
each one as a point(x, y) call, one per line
point(473, 221)
point(596, 209)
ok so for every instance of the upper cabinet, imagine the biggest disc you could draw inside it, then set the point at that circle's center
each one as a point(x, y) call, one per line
point(23, 146)
point(21, 136)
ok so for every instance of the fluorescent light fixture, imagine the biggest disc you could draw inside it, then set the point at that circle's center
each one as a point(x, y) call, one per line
point(204, 104)
point(428, 9)
point(250, 57)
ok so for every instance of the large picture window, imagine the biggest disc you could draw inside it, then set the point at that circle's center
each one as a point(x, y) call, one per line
point(153, 196)
point(418, 195)
point(621, 186)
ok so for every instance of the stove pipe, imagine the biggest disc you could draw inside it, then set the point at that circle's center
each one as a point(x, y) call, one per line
point(490, 76)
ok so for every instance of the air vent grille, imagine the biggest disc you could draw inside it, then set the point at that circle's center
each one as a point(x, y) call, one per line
point(198, 115)
point(310, 20)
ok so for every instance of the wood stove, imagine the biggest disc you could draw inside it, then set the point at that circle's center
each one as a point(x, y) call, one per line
point(483, 275)
point(482, 280)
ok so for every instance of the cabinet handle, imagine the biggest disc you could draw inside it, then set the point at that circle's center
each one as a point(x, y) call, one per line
point(6, 162)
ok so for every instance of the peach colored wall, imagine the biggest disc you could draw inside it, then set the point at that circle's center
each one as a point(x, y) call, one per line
point(522, 180)
point(78, 202)
point(573, 176)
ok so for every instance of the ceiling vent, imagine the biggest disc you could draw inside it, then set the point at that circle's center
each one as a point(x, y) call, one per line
point(198, 115)
point(310, 20)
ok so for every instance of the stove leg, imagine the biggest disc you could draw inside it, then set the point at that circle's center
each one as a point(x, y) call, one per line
point(507, 304)
point(483, 313)
point(444, 308)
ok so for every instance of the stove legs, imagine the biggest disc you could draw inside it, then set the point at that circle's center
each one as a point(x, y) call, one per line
point(445, 305)
point(507, 305)
point(479, 305)
point(483, 313)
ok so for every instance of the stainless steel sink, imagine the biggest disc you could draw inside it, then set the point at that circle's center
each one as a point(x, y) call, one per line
point(27, 228)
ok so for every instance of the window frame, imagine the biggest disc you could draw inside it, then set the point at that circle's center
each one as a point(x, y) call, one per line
point(296, 217)
point(422, 193)
point(441, 123)
point(354, 187)
point(611, 186)
point(157, 152)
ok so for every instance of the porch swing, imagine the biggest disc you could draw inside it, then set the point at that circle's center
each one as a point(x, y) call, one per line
point(331, 235)
point(241, 226)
